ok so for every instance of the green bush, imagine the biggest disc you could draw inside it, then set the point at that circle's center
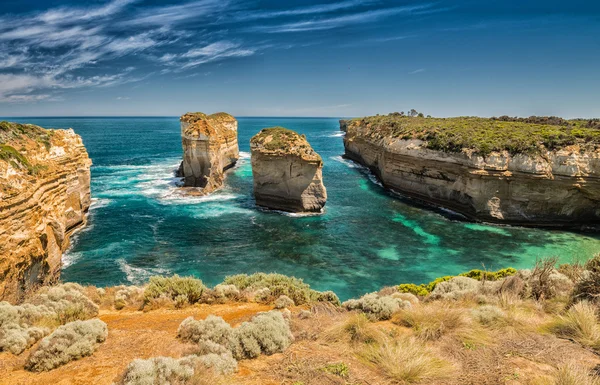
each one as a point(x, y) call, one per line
point(425, 289)
point(481, 135)
point(278, 285)
point(175, 288)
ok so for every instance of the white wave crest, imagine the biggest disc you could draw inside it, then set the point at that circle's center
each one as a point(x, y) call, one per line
point(138, 275)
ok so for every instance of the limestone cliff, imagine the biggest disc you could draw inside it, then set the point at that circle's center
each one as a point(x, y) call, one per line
point(210, 147)
point(44, 196)
point(548, 186)
point(287, 172)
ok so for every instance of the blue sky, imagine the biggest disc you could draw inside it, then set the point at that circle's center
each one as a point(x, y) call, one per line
point(299, 58)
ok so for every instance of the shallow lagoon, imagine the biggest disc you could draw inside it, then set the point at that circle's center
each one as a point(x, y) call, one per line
point(367, 238)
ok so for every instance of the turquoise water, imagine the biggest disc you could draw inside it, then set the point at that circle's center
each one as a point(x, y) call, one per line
point(139, 226)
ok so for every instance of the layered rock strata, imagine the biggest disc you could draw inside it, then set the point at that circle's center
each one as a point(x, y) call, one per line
point(287, 172)
point(210, 146)
point(44, 197)
point(559, 187)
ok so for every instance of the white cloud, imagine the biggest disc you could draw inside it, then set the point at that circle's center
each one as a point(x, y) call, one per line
point(417, 71)
point(209, 53)
point(340, 21)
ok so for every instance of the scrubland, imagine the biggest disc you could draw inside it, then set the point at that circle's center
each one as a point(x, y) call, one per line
point(537, 326)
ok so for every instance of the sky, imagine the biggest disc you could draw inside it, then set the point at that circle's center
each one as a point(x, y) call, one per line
point(299, 58)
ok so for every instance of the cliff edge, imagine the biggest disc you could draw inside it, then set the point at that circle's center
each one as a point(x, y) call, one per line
point(287, 172)
point(539, 172)
point(210, 146)
point(44, 196)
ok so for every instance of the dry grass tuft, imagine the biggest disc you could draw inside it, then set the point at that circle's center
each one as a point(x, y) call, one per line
point(405, 360)
point(571, 374)
point(580, 323)
point(431, 322)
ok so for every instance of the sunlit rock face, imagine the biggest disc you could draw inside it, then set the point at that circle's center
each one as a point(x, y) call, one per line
point(554, 188)
point(210, 147)
point(44, 197)
point(287, 172)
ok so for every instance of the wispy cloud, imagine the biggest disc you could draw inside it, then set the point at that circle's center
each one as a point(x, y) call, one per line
point(341, 21)
point(172, 14)
point(417, 71)
point(310, 10)
point(206, 54)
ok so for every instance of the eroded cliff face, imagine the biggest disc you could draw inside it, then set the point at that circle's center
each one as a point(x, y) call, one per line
point(287, 172)
point(554, 188)
point(44, 197)
point(210, 147)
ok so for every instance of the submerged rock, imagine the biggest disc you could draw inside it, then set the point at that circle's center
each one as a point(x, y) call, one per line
point(287, 172)
point(210, 147)
point(44, 197)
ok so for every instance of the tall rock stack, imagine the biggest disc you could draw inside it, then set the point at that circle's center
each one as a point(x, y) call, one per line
point(210, 146)
point(287, 172)
point(44, 196)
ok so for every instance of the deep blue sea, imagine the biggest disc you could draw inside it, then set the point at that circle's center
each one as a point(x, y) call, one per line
point(366, 239)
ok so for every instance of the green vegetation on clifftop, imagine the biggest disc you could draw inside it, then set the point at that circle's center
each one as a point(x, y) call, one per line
point(483, 135)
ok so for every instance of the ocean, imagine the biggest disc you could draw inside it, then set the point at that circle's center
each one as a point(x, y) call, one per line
point(366, 239)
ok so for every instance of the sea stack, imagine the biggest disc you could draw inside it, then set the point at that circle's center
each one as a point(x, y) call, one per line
point(537, 171)
point(44, 197)
point(210, 146)
point(287, 172)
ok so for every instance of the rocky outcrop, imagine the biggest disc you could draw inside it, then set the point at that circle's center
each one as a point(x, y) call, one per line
point(210, 146)
point(287, 172)
point(44, 197)
point(552, 188)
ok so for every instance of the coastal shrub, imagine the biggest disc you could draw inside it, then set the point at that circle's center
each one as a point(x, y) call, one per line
point(405, 360)
point(157, 370)
point(488, 315)
point(222, 363)
point(15, 338)
point(418, 290)
point(431, 323)
point(413, 299)
point(23, 325)
point(213, 334)
point(128, 296)
point(68, 301)
point(481, 135)
point(423, 290)
point(266, 333)
point(456, 287)
point(588, 286)
point(277, 284)
point(377, 307)
point(283, 302)
point(572, 374)
point(328, 296)
point(67, 343)
point(168, 370)
point(181, 290)
point(579, 323)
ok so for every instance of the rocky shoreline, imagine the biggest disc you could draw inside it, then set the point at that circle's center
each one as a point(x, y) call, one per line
point(555, 188)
